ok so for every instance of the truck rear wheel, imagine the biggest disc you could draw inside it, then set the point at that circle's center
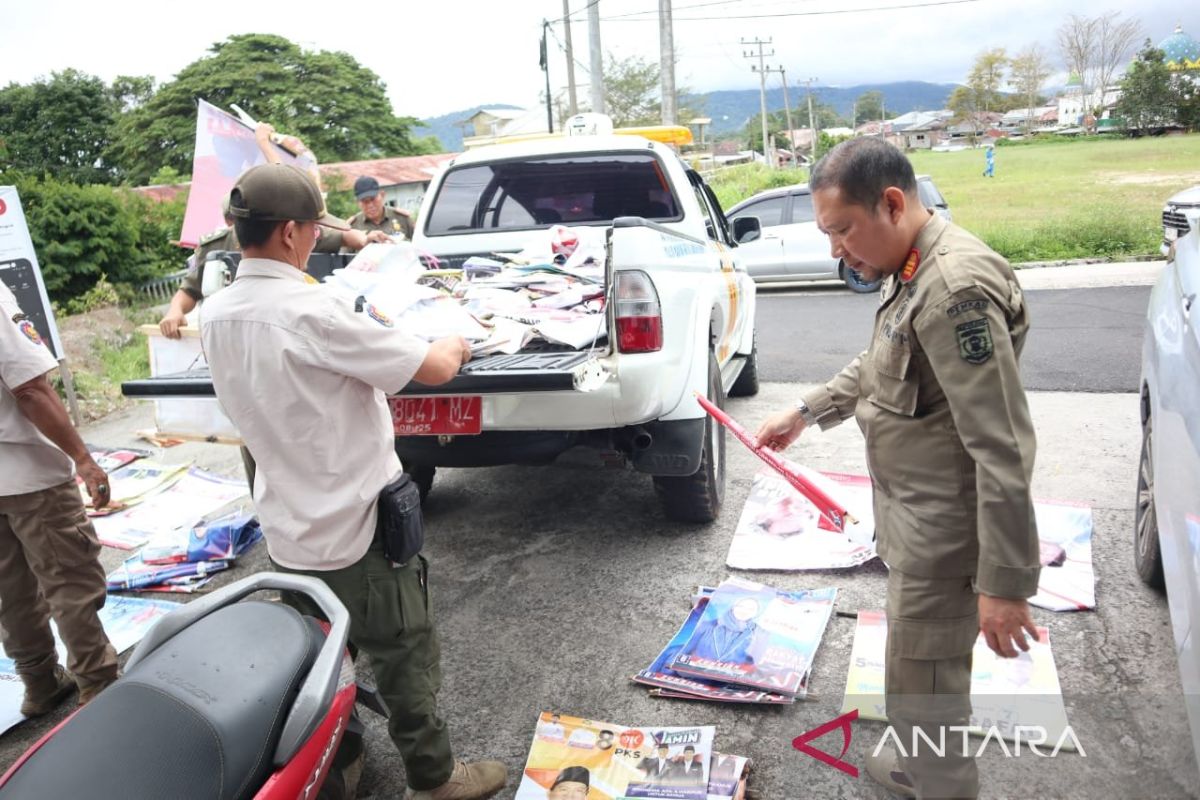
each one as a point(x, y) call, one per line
point(697, 497)
point(746, 384)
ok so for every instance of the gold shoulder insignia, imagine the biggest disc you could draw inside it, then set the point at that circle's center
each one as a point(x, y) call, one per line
point(219, 233)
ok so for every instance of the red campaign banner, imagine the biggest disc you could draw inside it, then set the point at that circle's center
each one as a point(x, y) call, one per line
point(833, 513)
point(225, 148)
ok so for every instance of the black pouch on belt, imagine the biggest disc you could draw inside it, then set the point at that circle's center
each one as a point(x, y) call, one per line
point(400, 526)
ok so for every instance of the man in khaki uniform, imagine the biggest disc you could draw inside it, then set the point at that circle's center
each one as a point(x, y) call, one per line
point(191, 292)
point(950, 446)
point(375, 214)
point(321, 466)
point(49, 555)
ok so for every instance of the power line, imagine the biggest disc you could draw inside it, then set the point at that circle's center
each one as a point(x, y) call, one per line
point(804, 13)
point(574, 14)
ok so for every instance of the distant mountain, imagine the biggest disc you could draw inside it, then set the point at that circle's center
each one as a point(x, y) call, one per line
point(731, 109)
point(446, 126)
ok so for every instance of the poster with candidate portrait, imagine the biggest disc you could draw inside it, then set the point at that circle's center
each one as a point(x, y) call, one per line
point(573, 758)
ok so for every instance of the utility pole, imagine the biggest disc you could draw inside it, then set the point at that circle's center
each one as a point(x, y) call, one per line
point(571, 98)
point(812, 121)
point(787, 108)
point(546, 69)
point(597, 56)
point(666, 43)
point(761, 69)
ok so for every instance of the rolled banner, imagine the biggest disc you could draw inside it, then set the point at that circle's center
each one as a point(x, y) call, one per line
point(833, 513)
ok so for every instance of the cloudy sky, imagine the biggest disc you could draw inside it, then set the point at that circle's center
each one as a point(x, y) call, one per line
point(446, 55)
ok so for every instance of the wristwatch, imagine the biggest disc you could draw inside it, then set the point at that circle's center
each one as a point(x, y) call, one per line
point(806, 413)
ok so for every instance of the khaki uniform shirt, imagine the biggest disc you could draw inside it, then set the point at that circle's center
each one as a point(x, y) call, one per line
point(394, 221)
point(302, 375)
point(226, 239)
point(220, 239)
point(31, 462)
point(938, 395)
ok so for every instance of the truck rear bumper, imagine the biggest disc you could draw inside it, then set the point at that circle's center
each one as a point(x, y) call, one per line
point(661, 447)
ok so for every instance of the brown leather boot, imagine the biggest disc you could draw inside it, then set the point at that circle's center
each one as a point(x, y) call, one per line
point(44, 692)
point(468, 782)
point(88, 693)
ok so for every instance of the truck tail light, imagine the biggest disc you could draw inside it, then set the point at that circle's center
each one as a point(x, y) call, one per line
point(638, 313)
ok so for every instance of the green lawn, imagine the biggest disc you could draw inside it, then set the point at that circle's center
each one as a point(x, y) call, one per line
point(1058, 199)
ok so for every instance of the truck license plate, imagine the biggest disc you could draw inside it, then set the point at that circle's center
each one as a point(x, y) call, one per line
point(433, 416)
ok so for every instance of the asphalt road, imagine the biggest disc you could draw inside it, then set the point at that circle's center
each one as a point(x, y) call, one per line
point(551, 586)
point(1081, 340)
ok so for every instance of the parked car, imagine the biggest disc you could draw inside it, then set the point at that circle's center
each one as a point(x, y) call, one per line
point(792, 248)
point(1173, 220)
point(1167, 518)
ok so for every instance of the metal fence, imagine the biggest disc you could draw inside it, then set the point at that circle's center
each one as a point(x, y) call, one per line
point(160, 290)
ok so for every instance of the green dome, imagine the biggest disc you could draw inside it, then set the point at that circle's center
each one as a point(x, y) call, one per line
point(1182, 51)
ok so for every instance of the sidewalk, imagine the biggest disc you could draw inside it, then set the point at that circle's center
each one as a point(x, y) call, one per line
point(1090, 276)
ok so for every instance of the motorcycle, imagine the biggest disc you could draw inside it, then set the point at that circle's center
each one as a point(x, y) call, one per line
point(221, 699)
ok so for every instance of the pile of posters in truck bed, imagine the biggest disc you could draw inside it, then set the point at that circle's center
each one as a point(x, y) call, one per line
point(182, 560)
point(572, 757)
point(176, 497)
point(554, 290)
point(743, 643)
point(1008, 695)
point(125, 619)
point(780, 529)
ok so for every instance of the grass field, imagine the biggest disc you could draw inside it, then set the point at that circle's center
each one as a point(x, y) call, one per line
point(1058, 199)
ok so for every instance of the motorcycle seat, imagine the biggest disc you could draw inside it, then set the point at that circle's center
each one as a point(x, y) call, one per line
point(198, 718)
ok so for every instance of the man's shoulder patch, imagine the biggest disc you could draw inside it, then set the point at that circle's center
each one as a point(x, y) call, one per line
point(977, 304)
point(377, 315)
point(974, 340)
point(26, 327)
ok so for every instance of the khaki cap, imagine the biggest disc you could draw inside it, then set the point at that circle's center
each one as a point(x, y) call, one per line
point(279, 193)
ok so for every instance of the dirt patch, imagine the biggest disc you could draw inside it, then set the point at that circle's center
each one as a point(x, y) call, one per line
point(1152, 178)
point(84, 338)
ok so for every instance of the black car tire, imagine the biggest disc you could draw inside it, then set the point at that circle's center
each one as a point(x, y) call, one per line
point(746, 384)
point(697, 497)
point(1147, 552)
point(857, 284)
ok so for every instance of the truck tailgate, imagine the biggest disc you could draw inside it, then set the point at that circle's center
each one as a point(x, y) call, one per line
point(495, 374)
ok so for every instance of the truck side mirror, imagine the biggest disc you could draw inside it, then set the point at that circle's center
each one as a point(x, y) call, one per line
point(746, 229)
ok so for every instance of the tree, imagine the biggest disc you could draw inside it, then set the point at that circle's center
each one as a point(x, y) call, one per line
point(986, 78)
point(1149, 98)
point(338, 107)
point(1028, 71)
point(631, 91)
point(1093, 49)
point(868, 107)
point(60, 127)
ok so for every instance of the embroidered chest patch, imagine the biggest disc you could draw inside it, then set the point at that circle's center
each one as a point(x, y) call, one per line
point(974, 341)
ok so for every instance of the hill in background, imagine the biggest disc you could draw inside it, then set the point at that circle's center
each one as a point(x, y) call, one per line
point(731, 109)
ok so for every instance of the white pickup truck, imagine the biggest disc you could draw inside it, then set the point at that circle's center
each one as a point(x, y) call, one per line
point(680, 311)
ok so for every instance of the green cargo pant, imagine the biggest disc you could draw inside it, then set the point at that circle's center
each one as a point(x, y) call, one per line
point(391, 620)
point(932, 627)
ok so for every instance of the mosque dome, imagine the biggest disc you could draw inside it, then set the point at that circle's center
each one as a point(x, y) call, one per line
point(1181, 50)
